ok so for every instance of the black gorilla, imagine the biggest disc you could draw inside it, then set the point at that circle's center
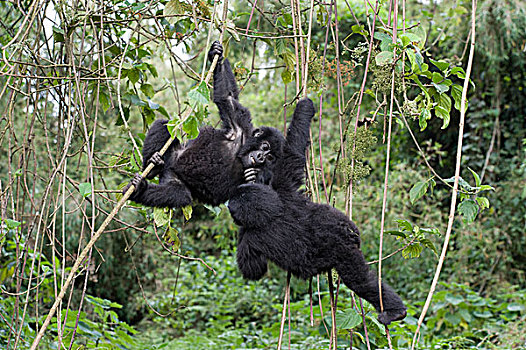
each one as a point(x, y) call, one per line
point(278, 223)
point(207, 168)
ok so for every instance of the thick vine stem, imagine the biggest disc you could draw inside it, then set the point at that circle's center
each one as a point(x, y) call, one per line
point(457, 176)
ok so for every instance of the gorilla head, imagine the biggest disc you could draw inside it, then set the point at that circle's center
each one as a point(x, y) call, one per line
point(260, 153)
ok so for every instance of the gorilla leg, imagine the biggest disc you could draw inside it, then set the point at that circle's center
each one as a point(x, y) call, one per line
point(251, 263)
point(170, 194)
point(360, 279)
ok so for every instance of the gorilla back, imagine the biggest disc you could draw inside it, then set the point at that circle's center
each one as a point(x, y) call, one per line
point(206, 168)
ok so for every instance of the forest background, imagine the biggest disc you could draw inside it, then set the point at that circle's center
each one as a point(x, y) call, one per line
point(81, 81)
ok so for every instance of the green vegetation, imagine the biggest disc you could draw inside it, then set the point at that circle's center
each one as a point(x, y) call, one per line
point(80, 82)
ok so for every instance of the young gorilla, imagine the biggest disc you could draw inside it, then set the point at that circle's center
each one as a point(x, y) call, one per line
point(278, 223)
point(207, 168)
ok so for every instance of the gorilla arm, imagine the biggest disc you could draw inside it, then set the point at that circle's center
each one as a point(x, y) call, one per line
point(290, 172)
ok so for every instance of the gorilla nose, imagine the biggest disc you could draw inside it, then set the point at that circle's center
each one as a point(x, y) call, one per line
point(260, 157)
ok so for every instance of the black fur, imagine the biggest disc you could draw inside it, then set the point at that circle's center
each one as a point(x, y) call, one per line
point(207, 168)
point(278, 223)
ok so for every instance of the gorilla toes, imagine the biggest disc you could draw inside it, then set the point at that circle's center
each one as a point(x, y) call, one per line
point(156, 159)
point(135, 182)
point(389, 316)
point(216, 49)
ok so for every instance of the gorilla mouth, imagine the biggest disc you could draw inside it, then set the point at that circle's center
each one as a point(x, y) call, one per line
point(252, 160)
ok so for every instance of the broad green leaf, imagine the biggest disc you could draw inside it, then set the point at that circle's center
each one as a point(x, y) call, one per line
point(289, 59)
point(287, 76)
point(161, 216)
point(187, 212)
point(425, 115)
point(404, 225)
point(199, 95)
point(516, 307)
point(469, 210)
point(384, 57)
point(58, 34)
point(454, 299)
point(148, 90)
point(190, 127)
point(11, 224)
point(134, 75)
point(456, 93)
point(418, 191)
point(484, 314)
point(215, 210)
point(396, 233)
point(443, 110)
point(280, 47)
point(348, 319)
point(413, 251)
point(442, 65)
point(172, 236)
point(428, 244)
point(153, 105)
point(483, 202)
point(358, 29)
point(104, 101)
point(85, 189)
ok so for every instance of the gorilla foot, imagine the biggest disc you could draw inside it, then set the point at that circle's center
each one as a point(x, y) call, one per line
point(216, 49)
point(135, 182)
point(156, 159)
point(389, 316)
point(250, 175)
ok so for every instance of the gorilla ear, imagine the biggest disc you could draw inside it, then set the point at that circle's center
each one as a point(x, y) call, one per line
point(257, 132)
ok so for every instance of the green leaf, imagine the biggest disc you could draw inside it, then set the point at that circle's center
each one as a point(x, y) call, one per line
point(404, 225)
point(454, 299)
point(442, 65)
point(161, 216)
point(396, 233)
point(187, 212)
point(199, 95)
point(484, 314)
point(483, 202)
point(215, 210)
point(148, 90)
point(280, 47)
point(58, 34)
point(104, 101)
point(348, 319)
point(413, 251)
point(287, 76)
point(443, 110)
point(516, 307)
point(456, 93)
point(190, 127)
point(469, 210)
point(134, 75)
point(172, 237)
point(85, 189)
point(289, 59)
point(476, 177)
point(384, 57)
point(425, 115)
point(418, 191)
point(358, 29)
point(428, 244)
point(11, 224)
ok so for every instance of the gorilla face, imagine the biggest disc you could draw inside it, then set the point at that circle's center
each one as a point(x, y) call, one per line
point(261, 152)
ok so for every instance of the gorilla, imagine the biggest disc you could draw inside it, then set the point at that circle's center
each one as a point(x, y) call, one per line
point(207, 168)
point(279, 223)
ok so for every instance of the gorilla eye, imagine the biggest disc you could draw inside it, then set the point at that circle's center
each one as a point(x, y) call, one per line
point(257, 133)
point(265, 146)
point(270, 157)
